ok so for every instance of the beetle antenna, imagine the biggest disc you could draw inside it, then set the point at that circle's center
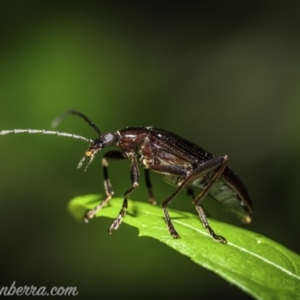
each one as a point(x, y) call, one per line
point(58, 133)
point(57, 120)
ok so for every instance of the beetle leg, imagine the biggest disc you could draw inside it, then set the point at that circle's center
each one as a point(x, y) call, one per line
point(212, 164)
point(191, 193)
point(107, 184)
point(208, 166)
point(134, 176)
point(174, 170)
point(151, 197)
point(219, 161)
point(205, 223)
point(165, 204)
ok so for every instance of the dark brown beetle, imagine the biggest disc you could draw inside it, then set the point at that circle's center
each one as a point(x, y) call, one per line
point(175, 159)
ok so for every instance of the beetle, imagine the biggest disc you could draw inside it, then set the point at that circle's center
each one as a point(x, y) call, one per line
point(176, 160)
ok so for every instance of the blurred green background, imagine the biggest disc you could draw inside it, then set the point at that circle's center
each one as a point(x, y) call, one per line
point(224, 75)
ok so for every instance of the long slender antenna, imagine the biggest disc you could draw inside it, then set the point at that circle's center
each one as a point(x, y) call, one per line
point(58, 133)
point(57, 120)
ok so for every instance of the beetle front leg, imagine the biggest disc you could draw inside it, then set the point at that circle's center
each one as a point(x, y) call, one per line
point(107, 184)
point(134, 175)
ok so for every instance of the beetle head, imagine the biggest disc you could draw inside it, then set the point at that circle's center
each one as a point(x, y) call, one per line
point(92, 150)
point(104, 140)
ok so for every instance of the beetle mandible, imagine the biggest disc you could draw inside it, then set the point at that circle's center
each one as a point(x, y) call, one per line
point(175, 159)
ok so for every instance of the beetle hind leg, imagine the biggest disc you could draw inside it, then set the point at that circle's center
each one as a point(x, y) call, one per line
point(219, 161)
point(203, 214)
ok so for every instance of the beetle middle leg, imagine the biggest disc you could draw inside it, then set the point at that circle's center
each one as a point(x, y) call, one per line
point(151, 197)
point(134, 176)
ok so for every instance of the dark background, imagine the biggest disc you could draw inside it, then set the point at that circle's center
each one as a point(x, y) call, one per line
point(224, 75)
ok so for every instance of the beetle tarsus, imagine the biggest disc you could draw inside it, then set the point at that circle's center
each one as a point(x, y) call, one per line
point(174, 233)
point(92, 213)
point(217, 238)
point(118, 220)
point(89, 215)
point(220, 239)
point(170, 225)
point(115, 224)
point(205, 223)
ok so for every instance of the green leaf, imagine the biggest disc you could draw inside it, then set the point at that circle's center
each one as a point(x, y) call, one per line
point(256, 264)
